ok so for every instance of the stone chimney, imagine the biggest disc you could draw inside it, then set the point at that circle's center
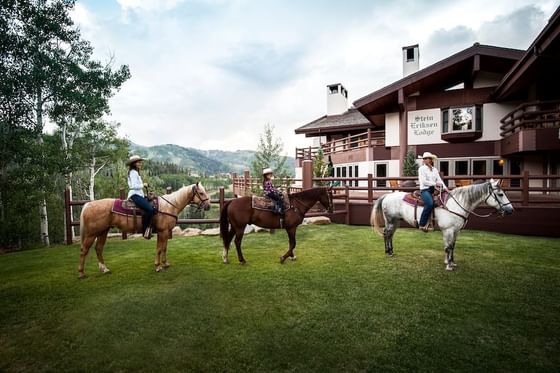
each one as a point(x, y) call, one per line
point(337, 99)
point(411, 59)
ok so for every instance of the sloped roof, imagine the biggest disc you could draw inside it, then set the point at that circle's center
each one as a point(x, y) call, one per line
point(350, 120)
point(441, 75)
point(541, 60)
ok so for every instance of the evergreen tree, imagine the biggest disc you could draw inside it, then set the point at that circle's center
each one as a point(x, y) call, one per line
point(269, 155)
point(319, 165)
point(410, 167)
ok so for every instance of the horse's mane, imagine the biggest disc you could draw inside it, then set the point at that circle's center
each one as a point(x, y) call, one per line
point(470, 193)
point(309, 193)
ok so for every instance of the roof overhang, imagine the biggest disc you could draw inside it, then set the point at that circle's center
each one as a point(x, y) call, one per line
point(453, 70)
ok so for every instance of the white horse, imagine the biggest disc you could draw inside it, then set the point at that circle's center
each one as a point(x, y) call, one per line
point(451, 218)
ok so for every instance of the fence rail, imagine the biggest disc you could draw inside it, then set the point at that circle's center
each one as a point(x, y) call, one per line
point(364, 140)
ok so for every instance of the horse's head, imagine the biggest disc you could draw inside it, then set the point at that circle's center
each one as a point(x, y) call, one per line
point(326, 199)
point(497, 198)
point(200, 197)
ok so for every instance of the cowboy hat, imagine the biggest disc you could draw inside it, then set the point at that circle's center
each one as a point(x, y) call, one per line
point(428, 155)
point(134, 158)
point(267, 170)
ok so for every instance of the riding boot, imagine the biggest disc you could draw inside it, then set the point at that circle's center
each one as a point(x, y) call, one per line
point(148, 233)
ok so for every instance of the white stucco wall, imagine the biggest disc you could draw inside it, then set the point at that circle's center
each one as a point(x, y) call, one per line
point(392, 129)
point(491, 115)
point(424, 126)
point(299, 175)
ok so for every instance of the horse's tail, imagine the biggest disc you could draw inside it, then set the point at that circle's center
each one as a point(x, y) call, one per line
point(377, 220)
point(224, 222)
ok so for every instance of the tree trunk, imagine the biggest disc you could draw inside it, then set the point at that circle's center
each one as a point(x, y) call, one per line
point(92, 179)
point(66, 145)
point(43, 205)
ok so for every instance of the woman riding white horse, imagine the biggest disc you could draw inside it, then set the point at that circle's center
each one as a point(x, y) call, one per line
point(428, 179)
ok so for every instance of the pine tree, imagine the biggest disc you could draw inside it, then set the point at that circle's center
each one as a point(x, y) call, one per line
point(269, 155)
point(410, 167)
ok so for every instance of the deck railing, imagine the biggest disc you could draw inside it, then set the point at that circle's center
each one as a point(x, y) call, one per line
point(362, 140)
point(536, 114)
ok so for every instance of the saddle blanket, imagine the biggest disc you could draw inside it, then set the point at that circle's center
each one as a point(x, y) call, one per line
point(266, 203)
point(415, 199)
point(127, 207)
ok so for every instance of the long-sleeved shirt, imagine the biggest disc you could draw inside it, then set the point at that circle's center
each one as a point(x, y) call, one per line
point(269, 188)
point(135, 184)
point(428, 178)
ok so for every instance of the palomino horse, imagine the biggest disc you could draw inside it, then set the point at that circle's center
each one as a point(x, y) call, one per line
point(97, 218)
point(239, 212)
point(451, 218)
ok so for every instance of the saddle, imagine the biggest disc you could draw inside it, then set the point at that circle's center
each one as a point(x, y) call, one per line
point(267, 203)
point(415, 199)
point(128, 207)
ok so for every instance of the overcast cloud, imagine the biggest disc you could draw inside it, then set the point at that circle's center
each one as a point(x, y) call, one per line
point(211, 73)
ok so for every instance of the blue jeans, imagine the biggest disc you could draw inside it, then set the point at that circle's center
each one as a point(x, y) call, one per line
point(428, 206)
point(148, 210)
point(279, 199)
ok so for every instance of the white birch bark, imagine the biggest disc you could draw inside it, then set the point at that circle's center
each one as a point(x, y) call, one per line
point(43, 204)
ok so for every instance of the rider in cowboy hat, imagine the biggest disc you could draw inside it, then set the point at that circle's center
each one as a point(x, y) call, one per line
point(429, 179)
point(271, 191)
point(136, 193)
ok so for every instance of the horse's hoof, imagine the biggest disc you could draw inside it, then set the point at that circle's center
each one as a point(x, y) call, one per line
point(82, 276)
point(158, 269)
point(166, 265)
point(242, 263)
point(293, 258)
point(282, 260)
point(390, 255)
point(449, 268)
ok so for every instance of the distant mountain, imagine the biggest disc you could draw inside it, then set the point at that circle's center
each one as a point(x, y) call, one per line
point(202, 161)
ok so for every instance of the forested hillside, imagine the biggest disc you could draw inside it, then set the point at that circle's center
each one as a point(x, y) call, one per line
point(201, 162)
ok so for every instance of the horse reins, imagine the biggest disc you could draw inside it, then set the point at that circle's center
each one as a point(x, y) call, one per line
point(490, 194)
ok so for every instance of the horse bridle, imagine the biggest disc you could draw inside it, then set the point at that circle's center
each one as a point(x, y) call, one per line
point(197, 194)
point(491, 192)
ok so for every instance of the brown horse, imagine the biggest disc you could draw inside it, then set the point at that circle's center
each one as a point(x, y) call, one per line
point(239, 212)
point(97, 218)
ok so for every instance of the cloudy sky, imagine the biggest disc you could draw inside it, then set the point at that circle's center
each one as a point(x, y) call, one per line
point(210, 74)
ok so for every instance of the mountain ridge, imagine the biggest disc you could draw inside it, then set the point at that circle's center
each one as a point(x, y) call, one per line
point(210, 162)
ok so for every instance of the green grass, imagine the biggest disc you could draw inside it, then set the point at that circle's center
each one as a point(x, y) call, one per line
point(342, 306)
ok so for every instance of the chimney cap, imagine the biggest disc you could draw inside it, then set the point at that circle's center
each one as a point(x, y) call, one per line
point(410, 46)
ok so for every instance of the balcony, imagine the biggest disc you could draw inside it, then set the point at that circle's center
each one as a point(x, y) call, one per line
point(355, 148)
point(532, 126)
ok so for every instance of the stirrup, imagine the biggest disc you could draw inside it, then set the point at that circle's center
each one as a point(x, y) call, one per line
point(148, 233)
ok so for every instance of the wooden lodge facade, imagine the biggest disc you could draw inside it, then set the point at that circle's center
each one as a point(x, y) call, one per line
point(484, 111)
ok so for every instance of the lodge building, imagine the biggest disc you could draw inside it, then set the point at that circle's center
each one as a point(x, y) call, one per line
point(485, 110)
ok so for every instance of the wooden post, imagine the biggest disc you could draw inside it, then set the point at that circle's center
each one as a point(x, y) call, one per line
point(347, 203)
point(68, 216)
point(221, 198)
point(307, 174)
point(123, 196)
point(525, 192)
point(247, 182)
point(234, 183)
point(369, 188)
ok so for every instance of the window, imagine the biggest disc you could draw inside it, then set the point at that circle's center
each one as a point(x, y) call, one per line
point(461, 168)
point(479, 167)
point(462, 119)
point(498, 167)
point(381, 171)
point(356, 175)
point(444, 168)
point(410, 54)
point(333, 89)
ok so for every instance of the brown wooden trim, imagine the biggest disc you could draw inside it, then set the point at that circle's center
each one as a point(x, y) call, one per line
point(455, 137)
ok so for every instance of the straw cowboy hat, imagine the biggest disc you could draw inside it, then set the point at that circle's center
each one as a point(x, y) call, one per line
point(134, 158)
point(267, 170)
point(428, 155)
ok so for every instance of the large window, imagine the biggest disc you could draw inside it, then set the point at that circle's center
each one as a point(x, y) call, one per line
point(461, 167)
point(462, 119)
point(479, 167)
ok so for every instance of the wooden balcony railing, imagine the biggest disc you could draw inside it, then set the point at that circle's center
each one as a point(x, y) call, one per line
point(359, 141)
point(536, 114)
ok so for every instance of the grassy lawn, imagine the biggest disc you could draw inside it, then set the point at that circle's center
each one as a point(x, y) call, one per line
point(342, 306)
